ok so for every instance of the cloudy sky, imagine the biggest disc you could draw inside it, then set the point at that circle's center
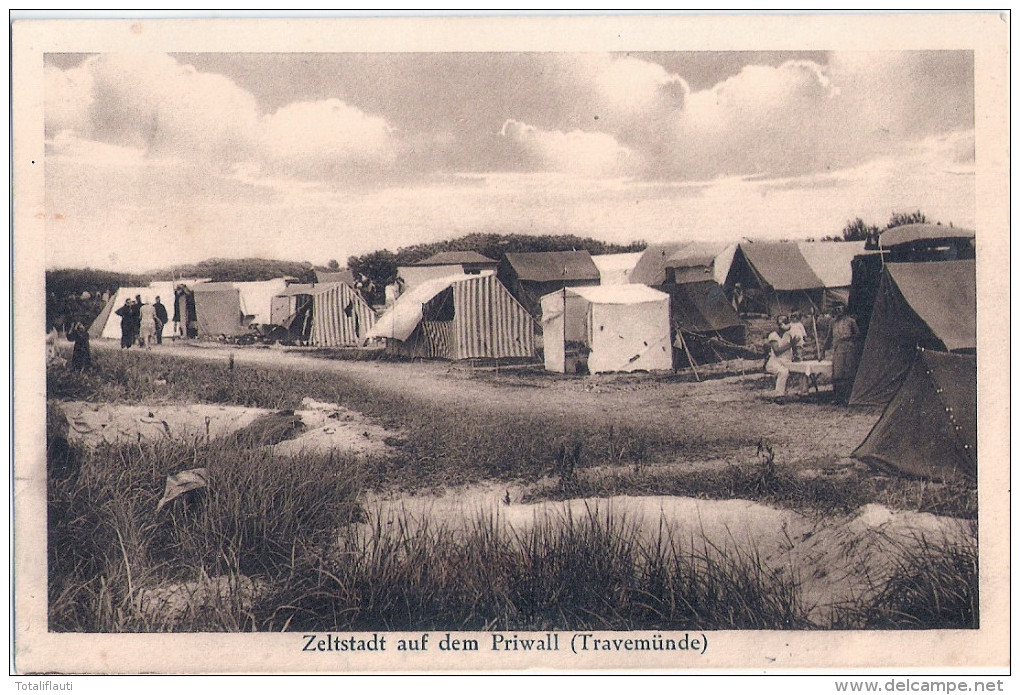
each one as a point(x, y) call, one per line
point(156, 159)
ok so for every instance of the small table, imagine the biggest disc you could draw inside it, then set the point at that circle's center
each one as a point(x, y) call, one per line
point(812, 369)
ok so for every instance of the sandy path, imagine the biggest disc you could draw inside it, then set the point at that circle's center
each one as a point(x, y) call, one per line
point(726, 409)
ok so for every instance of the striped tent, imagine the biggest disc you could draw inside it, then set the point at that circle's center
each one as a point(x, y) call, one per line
point(327, 315)
point(458, 317)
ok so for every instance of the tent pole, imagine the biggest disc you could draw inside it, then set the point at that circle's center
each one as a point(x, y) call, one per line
point(814, 327)
point(690, 358)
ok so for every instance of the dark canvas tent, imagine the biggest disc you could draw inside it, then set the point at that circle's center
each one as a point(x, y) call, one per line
point(929, 428)
point(444, 264)
point(927, 305)
point(651, 267)
point(345, 275)
point(699, 307)
point(775, 279)
point(531, 276)
point(914, 243)
point(218, 309)
point(326, 315)
point(458, 317)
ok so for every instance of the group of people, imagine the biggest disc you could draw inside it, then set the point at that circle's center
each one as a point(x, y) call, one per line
point(786, 345)
point(141, 323)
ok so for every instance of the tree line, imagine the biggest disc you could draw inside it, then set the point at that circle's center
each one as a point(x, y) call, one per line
point(859, 230)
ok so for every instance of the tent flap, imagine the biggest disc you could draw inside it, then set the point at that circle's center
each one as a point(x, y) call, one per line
point(929, 429)
point(918, 305)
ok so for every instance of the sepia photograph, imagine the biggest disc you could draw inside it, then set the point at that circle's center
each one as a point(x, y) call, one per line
point(498, 343)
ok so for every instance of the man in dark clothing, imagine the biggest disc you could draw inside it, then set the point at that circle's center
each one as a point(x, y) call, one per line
point(161, 318)
point(81, 357)
point(127, 323)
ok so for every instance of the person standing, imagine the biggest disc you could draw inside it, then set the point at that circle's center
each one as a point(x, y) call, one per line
point(842, 340)
point(160, 317)
point(780, 354)
point(139, 337)
point(147, 325)
point(81, 356)
point(127, 323)
point(798, 336)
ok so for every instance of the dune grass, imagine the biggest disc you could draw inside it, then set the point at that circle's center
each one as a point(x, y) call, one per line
point(279, 541)
point(259, 517)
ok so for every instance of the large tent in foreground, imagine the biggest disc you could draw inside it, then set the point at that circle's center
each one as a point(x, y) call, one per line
point(621, 328)
point(327, 315)
point(927, 305)
point(458, 317)
point(929, 428)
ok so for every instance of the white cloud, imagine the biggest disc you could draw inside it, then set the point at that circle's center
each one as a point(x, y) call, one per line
point(151, 103)
point(576, 152)
point(66, 145)
point(324, 136)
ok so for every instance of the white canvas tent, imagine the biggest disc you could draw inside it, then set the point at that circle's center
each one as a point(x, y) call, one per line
point(257, 298)
point(614, 268)
point(832, 263)
point(623, 328)
point(107, 324)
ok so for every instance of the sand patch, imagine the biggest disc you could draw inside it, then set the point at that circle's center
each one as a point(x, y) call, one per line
point(324, 426)
point(835, 559)
point(329, 426)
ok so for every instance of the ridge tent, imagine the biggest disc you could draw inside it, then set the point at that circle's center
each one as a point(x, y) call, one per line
point(328, 276)
point(929, 428)
point(217, 309)
point(911, 243)
point(775, 279)
point(257, 299)
point(703, 314)
point(832, 262)
point(531, 276)
point(326, 315)
point(930, 305)
point(700, 311)
point(622, 328)
point(458, 317)
point(107, 324)
point(651, 267)
point(444, 264)
point(615, 268)
point(699, 259)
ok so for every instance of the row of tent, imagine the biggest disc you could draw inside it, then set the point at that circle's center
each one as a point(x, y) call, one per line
point(625, 313)
point(773, 277)
point(330, 314)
